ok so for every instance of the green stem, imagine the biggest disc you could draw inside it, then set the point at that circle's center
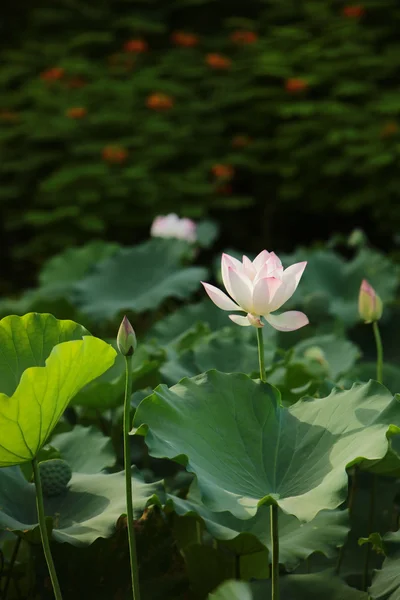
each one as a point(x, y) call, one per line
point(379, 352)
point(128, 481)
point(370, 529)
point(43, 531)
point(350, 504)
point(11, 566)
point(275, 551)
point(260, 341)
point(273, 507)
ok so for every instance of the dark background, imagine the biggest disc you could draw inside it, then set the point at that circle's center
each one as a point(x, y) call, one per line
point(97, 138)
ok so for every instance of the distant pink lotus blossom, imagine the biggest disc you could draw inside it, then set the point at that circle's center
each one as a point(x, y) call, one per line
point(370, 305)
point(259, 288)
point(171, 226)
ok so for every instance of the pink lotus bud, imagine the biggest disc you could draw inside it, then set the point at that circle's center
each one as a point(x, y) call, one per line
point(126, 338)
point(369, 304)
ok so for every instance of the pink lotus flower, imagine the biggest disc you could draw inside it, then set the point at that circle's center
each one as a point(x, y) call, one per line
point(259, 288)
point(370, 305)
point(171, 226)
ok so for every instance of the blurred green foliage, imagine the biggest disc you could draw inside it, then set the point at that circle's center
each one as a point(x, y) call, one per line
point(113, 112)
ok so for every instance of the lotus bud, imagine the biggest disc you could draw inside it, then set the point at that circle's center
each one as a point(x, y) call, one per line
point(357, 238)
point(126, 338)
point(316, 353)
point(369, 303)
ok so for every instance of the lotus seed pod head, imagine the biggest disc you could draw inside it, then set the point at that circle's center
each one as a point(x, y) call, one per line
point(126, 338)
point(370, 305)
point(55, 475)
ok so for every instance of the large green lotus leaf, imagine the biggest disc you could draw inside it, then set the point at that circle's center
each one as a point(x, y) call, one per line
point(228, 352)
point(56, 281)
point(232, 590)
point(136, 279)
point(296, 378)
point(230, 349)
point(206, 233)
point(246, 449)
point(28, 341)
point(178, 367)
point(304, 587)
point(89, 509)
point(98, 451)
point(72, 264)
point(35, 301)
point(169, 330)
point(29, 414)
point(386, 583)
point(297, 541)
point(339, 355)
point(391, 374)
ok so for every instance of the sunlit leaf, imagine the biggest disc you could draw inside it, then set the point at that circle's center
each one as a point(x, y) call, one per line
point(40, 372)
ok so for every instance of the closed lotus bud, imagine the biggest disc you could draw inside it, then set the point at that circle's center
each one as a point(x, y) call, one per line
point(126, 338)
point(369, 303)
point(316, 353)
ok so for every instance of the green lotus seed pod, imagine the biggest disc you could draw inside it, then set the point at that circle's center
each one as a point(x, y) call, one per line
point(55, 475)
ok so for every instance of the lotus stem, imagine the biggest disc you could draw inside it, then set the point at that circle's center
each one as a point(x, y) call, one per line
point(379, 352)
point(350, 504)
point(128, 482)
point(370, 530)
point(261, 359)
point(379, 378)
point(273, 507)
point(43, 531)
point(275, 551)
point(11, 566)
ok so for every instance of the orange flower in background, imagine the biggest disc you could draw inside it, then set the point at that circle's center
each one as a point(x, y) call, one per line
point(76, 112)
point(223, 171)
point(138, 46)
point(187, 40)
point(217, 61)
point(159, 102)
point(294, 85)
point(354, 11)
point(52, 74)
point(114, 154)
point(241, 141)
point(390, 128)
point(244, 37)
point(9, 115)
